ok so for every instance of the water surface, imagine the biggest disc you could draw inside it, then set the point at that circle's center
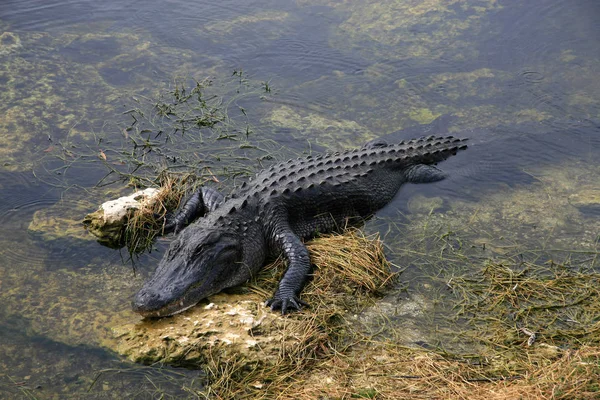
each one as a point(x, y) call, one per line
point(518, 78)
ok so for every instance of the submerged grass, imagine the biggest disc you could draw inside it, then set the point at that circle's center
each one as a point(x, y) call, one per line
point(550, 303)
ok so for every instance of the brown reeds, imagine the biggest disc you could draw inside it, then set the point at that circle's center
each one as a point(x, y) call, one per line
point(147, 222)
point(343, 281)
point(522, 315)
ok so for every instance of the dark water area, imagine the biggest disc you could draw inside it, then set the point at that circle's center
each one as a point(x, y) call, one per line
point(520, 79)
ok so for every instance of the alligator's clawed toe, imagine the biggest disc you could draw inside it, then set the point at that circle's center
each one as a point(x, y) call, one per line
point(285, 303)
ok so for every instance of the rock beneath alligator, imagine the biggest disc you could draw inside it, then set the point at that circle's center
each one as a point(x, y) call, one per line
point(239, 332)
point(227, 327)
point(108, 223)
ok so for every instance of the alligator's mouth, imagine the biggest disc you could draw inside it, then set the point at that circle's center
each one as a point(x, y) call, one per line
point(197, 265)
point(175, 307)
point(192, 296)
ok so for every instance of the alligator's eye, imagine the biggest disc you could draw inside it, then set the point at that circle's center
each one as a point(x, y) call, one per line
point(212, 238)
point(174, 248)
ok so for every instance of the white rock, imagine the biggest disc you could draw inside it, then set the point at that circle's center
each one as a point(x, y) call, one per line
point(116, 210)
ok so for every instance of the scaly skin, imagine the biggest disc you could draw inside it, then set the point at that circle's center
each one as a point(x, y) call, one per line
point(274, 212)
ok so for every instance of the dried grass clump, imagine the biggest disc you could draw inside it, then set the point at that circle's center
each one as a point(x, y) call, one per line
point(352, 262)
point(575, 375)
point(348, 270)
point(510, 305)
point(387, 371)
point(147, 222)
point(351, 269)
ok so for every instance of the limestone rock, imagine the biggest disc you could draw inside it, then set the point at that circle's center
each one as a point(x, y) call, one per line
point(230, 326)
point(108, 222)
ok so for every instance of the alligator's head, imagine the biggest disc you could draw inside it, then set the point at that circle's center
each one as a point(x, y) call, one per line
point(199, 263)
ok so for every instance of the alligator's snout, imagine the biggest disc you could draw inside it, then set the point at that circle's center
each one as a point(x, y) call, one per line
point(199, 263)
point(144, 302)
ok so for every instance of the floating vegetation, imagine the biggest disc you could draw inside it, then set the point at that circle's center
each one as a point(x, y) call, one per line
point(331, 133)
point(187, 130)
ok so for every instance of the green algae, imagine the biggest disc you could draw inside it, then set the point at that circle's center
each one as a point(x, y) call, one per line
point(423, 32)
point(9, 42)
point(383, 104)
point(411, 29)
point(62, 220)
point(423, 115)
point(72, 88)
point(328, 132)
point(70, 307)
point(551, 210)
point(42, 99)
point(468, 84)
point(224, 28)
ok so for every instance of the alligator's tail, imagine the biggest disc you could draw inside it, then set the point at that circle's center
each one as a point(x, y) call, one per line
point(415, 157)
point(426, 150)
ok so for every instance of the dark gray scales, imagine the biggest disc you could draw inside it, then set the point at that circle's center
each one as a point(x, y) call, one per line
point(274, 212)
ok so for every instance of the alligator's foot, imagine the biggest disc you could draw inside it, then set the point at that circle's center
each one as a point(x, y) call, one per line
point(285, 302)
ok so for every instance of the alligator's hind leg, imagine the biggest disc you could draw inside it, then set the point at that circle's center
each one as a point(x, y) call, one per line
point(375, 144)
point(422, 173)
point(197, 205)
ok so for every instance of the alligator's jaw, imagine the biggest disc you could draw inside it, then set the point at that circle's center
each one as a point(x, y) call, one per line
point(201, 261)
point(151, 302)
point(165, 312)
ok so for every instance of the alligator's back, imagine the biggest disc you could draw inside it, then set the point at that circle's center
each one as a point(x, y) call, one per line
point(326, 192)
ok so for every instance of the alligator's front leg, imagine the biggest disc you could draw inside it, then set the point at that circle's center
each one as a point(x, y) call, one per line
point(198, 204)
point(287, 296)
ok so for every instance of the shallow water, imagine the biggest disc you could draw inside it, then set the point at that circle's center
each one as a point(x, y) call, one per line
point(518, 78)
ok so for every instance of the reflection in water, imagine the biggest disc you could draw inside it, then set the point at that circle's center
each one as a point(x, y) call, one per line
point(519, 79)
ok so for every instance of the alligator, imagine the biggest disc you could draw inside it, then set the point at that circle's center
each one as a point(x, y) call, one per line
point(274, 212)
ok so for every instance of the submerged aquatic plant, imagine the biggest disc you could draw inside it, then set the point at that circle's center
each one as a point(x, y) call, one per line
point(187, 130)
point(174, 142)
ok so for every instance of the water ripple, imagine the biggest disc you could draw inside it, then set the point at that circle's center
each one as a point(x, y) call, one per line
point(30, 249)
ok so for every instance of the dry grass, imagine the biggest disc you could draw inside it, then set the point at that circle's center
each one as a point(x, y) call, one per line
point(509, 307)
point(334, 359)
point(146, 223)
point(384, 371)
